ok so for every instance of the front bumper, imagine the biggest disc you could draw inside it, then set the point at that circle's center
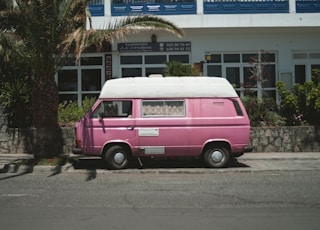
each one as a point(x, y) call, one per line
point(78, 151)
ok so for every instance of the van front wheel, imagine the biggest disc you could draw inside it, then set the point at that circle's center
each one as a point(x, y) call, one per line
point(216, 157)
point(116, 157)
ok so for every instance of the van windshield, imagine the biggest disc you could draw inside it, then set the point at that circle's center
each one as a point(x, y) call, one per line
point(113, 109)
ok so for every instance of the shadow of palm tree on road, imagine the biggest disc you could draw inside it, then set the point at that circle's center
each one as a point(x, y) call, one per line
point(13, 168)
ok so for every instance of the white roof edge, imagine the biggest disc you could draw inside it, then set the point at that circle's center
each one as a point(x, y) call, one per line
point(167, 87)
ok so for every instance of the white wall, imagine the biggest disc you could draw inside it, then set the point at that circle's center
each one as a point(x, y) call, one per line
point(281, 33)
point(280, 40)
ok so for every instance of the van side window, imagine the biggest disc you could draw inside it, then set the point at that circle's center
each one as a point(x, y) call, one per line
point(237, 107)
point(113, 109)
point(153, 108)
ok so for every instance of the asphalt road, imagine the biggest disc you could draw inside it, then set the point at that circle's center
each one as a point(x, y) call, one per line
point(135, 200)
point(251, 162)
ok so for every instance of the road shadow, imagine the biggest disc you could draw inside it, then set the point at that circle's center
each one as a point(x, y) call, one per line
point(13, 168)
point(91, 165)
point(20, 167)
point(147, 163)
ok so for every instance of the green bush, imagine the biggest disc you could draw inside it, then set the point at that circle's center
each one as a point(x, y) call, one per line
point(302, 104)
point(262, 112)
point(176, 68)
point(15, 97)
point(312, 90)
point(289, 107)
point(70, 112)
point(15, 85)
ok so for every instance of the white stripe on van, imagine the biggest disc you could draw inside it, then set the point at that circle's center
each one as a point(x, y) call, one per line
point(148, 132)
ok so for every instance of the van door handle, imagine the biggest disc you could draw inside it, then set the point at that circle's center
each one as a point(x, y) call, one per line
point(131, 127)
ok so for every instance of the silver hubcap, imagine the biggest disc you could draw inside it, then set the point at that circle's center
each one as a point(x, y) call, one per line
point(216, 156)
point(119, 158)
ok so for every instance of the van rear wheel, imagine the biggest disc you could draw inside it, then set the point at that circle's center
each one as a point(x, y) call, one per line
point(216, 157)
point(116, 157)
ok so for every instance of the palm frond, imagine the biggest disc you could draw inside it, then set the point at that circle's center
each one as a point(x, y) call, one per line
point(9, 20)
point(119, 30)
point(150, 22)
point(136, 24)
point(56, 28)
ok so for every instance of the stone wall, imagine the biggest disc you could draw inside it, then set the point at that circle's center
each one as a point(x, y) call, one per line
point(286, 139)
point(23, 140)
point(265, 139)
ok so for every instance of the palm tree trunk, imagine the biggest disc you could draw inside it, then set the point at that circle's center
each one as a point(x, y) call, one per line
point(48, 141)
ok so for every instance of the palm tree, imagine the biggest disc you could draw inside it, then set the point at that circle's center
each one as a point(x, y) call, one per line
point(50, 30)
point(5, 4)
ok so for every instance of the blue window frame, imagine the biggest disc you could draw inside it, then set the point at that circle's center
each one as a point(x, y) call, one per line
point(158, 7)
point(245, 7)
point(96, 7)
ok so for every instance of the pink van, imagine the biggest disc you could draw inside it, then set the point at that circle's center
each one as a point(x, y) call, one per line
point(199, 117)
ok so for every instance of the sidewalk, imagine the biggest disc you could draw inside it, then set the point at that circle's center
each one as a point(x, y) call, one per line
point(281, 155)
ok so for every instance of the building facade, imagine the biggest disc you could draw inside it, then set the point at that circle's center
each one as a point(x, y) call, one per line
point(227, 38)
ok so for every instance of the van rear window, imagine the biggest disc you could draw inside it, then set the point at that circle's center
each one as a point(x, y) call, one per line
point(237, 107)
point(155, 108)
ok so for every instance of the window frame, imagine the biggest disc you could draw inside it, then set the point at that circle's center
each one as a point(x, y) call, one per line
point(145, 66)
point(217, 62)
point(78, 94)
point(306, 59)
point(164, 102)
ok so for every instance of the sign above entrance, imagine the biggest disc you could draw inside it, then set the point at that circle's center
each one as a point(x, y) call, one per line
point(154, 47)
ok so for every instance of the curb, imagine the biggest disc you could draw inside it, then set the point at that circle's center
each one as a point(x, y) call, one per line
point(281, 156)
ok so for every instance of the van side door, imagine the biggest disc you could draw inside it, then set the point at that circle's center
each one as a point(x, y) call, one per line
point(111, 121)
point(163, 128)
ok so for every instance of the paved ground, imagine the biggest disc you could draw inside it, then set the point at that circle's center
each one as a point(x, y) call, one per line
point(268, 200)
point(307, 161)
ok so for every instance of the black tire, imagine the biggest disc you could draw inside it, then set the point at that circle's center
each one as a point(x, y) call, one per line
point(117, 157)
point(216, 157)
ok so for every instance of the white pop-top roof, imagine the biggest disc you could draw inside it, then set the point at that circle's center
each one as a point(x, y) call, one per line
point(167, 87)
